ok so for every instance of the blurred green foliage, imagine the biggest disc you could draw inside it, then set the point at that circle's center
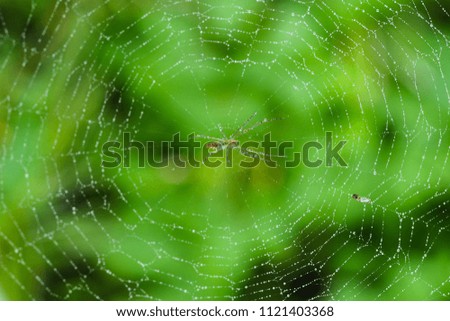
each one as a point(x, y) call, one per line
point(76, 74)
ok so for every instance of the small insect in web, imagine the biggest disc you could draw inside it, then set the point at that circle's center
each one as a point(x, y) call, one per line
point(228, 143)
point(361, 199)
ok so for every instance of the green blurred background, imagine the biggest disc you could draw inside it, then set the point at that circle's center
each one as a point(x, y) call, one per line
point(76, 74)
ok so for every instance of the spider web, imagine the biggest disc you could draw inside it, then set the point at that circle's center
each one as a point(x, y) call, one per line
point(77, 74)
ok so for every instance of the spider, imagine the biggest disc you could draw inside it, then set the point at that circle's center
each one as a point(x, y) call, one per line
point(361, 199)
point(229, 143)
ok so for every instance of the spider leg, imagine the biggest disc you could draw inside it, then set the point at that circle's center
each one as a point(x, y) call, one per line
point(268, 159)
point(264, 121)
point(249, 152)
point(221, 131)
point(209, 137)
point(241, 129)
point(252, 154)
